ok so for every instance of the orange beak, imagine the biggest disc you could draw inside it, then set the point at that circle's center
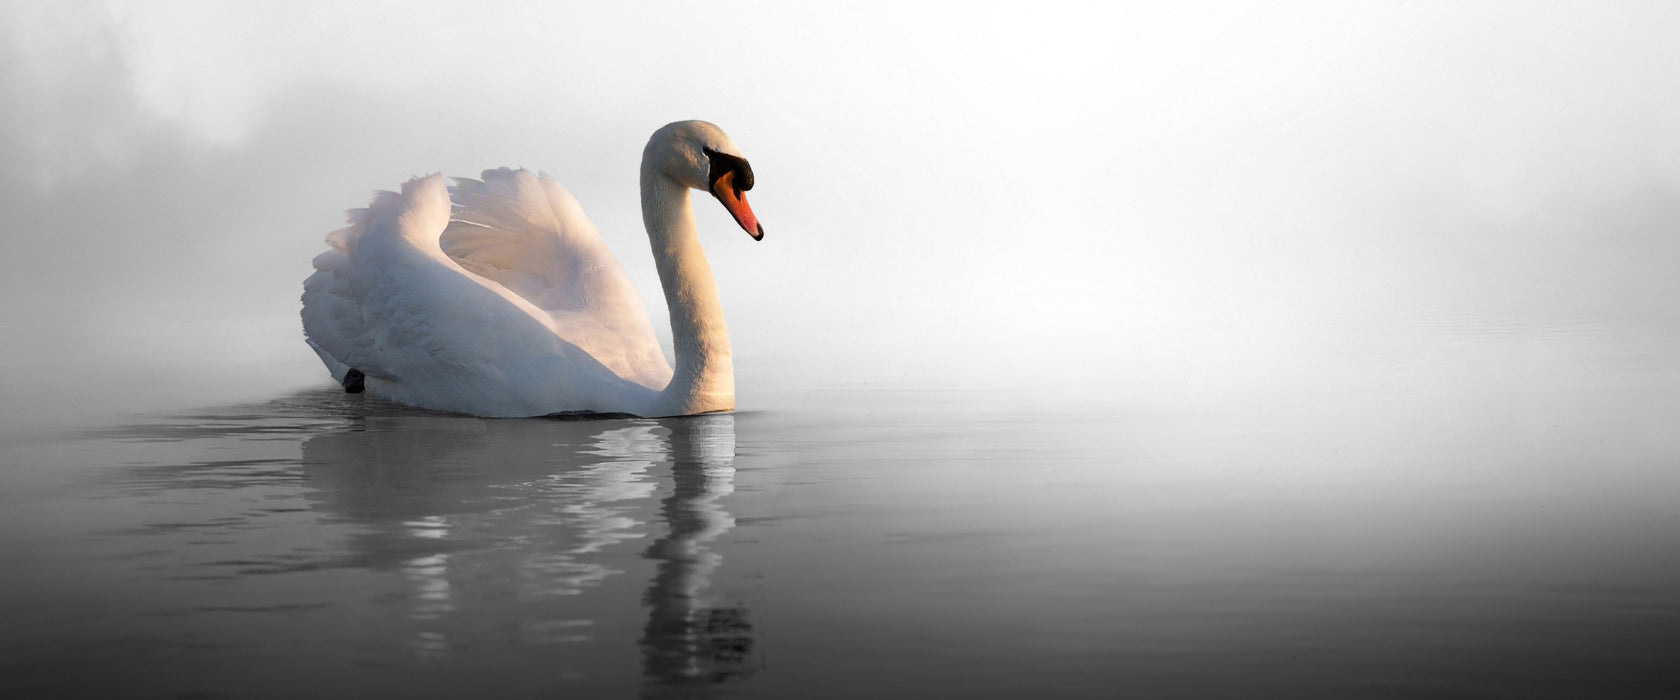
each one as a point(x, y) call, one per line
point(735, 200)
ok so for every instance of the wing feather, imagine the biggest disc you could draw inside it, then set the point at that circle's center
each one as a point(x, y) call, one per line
point(527, 233)
point(469, 303)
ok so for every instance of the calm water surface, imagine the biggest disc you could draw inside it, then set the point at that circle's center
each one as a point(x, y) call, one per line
point(1495, 513)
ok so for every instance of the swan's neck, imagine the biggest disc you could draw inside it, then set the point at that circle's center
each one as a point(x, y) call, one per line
point(704, 379)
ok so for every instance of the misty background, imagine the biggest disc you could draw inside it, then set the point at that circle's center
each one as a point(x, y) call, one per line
point(1151, 203)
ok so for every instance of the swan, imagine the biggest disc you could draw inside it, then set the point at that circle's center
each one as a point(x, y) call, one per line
point(497, 297)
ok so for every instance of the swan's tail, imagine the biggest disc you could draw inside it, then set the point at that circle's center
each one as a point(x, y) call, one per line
point(420, 211)
point(333, 321)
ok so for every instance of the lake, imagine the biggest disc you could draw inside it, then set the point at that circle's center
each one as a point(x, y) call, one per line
point(1483, 510)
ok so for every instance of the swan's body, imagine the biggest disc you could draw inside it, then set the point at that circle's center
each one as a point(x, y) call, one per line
point(498, 297)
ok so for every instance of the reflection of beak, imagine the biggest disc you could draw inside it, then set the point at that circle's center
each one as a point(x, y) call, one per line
point(735, 201)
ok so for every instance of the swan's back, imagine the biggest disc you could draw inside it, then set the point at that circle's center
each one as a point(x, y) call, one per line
point(496, 297)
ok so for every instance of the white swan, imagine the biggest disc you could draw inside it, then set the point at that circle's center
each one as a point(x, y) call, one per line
point(498, 298)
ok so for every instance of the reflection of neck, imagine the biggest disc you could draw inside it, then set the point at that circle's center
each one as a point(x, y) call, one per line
point(704, 378)
point(702, 471)
point(685, 640)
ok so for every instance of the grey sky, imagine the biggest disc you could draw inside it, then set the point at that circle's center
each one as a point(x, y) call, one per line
point(1078, 194)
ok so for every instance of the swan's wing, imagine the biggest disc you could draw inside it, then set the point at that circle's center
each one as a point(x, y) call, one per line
point(528, 234)
point(387, 300)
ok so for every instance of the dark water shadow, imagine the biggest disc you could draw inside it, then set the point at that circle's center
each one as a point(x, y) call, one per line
point(551, 555)
point(519, 523)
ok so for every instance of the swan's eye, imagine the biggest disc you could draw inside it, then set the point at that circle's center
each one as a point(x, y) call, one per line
point(723, 164)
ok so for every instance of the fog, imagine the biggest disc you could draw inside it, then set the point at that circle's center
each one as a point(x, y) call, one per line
point(1156, 199)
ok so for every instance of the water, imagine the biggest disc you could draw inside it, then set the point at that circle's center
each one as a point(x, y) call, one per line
point(1480, 511)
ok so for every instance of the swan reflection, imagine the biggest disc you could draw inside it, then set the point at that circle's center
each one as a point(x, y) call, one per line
point(688, 638)
point(528, 533)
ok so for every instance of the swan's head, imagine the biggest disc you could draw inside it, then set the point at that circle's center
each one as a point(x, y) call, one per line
point(701, 156)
